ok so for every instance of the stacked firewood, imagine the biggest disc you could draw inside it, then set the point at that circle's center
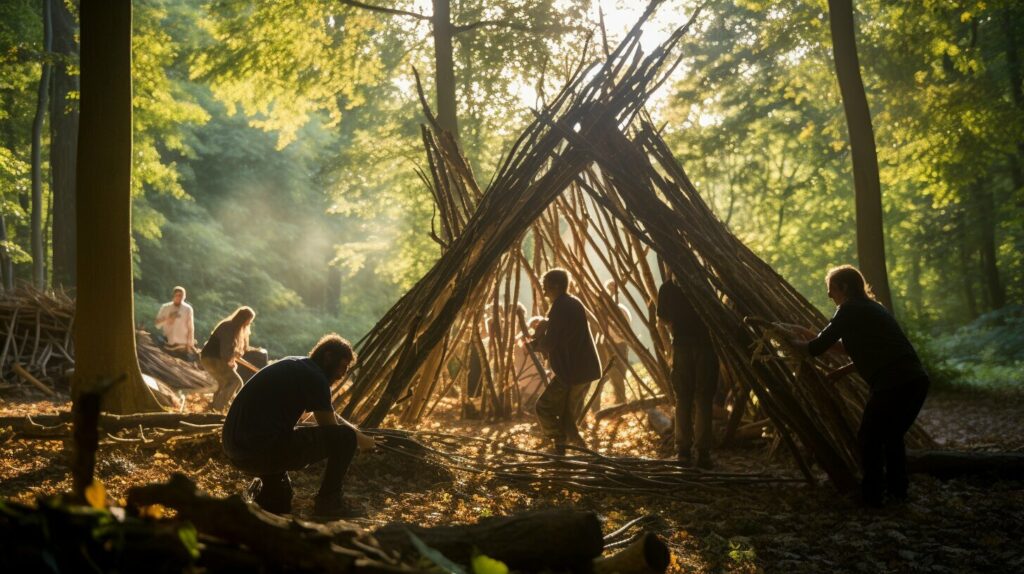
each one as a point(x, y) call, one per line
point(38, 354)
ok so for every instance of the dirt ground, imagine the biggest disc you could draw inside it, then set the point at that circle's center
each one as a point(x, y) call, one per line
point(955, 526)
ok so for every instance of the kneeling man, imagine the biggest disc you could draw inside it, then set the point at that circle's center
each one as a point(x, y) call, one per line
point(260, 436)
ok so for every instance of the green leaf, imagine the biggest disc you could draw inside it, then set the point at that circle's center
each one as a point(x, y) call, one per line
point(483, 564)
point(190, 539)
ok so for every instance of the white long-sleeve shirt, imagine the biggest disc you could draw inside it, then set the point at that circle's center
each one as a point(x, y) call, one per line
point(177, 323)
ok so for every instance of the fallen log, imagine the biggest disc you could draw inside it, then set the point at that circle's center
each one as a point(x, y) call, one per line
point(954, 464)
point(112, 423)
point(648, 554)
point(543, 540)
point(277, 540)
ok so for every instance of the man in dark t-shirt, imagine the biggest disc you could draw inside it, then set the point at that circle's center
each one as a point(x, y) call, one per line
point(694, 373)
point(569, 345)
point(260, 436)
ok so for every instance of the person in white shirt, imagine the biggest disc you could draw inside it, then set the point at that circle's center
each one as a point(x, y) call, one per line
point(176, 320)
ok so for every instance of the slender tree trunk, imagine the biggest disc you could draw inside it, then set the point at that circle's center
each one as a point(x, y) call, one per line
point(38, 272)
point(868, 189)
point(63, 145)
point(444, 33)
point(6, 268)
point(104, 322)
point(1013, 73)
point(987, 222)
point(965, 268)
point(914, 290)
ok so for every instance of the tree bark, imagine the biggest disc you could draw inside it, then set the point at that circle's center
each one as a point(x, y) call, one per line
point(63, 145)
point(868, 189)
point(965, 268)
point(987, 222)
point(38, 256)
point(1013, 73)
point(104, 328)
point(444, 61)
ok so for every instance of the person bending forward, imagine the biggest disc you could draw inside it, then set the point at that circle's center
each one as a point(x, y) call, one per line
point(883, 355)
point(260, 436)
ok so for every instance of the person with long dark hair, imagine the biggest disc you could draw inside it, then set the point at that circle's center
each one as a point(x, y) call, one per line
point(882, 354)
point(228, 341)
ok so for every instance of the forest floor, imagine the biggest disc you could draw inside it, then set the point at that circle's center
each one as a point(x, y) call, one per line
point(955, 526)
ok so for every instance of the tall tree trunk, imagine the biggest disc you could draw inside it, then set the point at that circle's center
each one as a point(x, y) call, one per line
point(1013, 73)
point(987, 222)
point(868, 189)
point(6, 267)
point(444, 61)
point(38, 271)
point(966, 272)
point(105, 323)
point(914, 289)
point(63, 145)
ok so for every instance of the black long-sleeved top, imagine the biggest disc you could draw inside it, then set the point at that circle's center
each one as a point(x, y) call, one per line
point(568, 342)
point(873, 339)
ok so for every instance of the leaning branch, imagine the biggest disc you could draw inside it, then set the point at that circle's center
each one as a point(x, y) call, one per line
point(385, 10)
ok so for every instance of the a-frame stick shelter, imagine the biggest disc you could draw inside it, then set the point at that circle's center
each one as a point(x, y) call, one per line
point(580, 141)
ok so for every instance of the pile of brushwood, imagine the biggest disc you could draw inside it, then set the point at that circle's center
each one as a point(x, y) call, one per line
point(38, 354)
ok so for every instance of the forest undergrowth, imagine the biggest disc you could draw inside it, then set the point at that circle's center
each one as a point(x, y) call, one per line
point(956, 526)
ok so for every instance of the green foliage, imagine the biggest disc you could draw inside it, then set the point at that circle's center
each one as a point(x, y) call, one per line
point(758, 122)
point(989, 351)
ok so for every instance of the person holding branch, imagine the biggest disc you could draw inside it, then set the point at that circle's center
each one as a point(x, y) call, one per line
point(227, 343)
point(882, 354)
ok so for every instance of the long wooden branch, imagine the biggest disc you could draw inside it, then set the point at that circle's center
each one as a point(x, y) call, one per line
point(385, 10)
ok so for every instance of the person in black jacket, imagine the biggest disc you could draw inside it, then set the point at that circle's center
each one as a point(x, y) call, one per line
point(882, 354)
point(569, 345)
point(694, 374)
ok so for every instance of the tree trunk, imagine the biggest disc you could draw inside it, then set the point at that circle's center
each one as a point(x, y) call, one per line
point(1013, 73)
point(6, 266)
point(63, 145)
point(105, 323)
point(987, 222)
point(868, 189)
point(914, 290)
point(965, 268)
point(38, 273)
point(444, 32)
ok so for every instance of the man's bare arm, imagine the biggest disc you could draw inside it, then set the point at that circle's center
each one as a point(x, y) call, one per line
point(331, 418)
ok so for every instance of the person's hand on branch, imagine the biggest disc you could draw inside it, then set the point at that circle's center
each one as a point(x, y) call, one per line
point(365, 442)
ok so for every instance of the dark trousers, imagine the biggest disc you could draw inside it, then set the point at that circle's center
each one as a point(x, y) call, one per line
point(558, 408)
point(888, 415)
point(694, 382)
point(297, 450)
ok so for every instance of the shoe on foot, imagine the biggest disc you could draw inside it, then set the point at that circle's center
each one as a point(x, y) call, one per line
point(333, 507)
point(273, 496)
point(684, 459)
point(704, 460)
point(558, 448)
